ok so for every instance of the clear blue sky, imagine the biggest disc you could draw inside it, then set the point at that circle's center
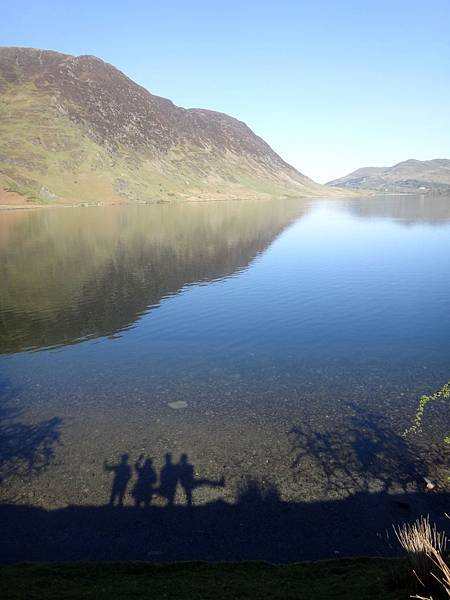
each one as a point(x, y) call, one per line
point(332, 85)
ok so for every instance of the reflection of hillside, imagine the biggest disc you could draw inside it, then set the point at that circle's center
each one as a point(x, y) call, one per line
point(72, 274)
point(405, 209)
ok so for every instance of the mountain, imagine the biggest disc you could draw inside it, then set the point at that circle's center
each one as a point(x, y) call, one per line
point(421, 176)
point(77, 129)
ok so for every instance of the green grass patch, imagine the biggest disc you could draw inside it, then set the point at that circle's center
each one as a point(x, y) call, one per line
point(362, 578)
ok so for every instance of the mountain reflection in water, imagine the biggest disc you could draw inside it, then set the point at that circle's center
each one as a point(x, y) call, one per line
point(69, 275)
point(405, 209)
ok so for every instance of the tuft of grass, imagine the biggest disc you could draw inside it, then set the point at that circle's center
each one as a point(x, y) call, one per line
point(425, 546)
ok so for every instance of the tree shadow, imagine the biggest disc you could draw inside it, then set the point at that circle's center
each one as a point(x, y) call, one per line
point(25, 449)
point(366, 455)
point(251, 493)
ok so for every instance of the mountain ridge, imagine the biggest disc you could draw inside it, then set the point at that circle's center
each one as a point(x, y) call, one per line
point(411, 175)
point(77, 128)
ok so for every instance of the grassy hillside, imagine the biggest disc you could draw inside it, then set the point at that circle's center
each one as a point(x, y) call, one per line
point(77, 130)
point(44, 157)
point(410, 176)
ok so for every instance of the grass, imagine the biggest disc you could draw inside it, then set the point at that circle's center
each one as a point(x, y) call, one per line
point(47, 158)
point(362, 578)
point(426, 546)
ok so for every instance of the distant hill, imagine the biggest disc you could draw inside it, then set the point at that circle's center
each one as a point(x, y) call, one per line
point(409, 176)
point(77, 129)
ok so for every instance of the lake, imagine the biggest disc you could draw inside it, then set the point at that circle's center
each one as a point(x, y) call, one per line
point(279, 344)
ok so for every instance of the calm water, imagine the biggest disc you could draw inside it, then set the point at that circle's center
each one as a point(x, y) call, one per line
point(285, 342)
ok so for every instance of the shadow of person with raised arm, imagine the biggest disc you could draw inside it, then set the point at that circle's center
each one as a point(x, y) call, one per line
point(143, 489)
point(168, 480)
point(188, 481)
point(122, 475)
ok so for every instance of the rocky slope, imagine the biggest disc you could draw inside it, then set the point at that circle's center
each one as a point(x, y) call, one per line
point(76, 129)
point(408, 176)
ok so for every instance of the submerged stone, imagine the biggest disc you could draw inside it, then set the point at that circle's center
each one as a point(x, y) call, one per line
point(177, 404)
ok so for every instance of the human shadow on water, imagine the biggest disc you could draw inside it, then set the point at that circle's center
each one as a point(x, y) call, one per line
point(122, 475)
point(188, 481)
point(144, 489)
point(258, 525)
point(26, 449)
point(168, 480)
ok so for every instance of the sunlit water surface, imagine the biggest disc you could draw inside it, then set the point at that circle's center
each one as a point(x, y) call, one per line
point(286, 342)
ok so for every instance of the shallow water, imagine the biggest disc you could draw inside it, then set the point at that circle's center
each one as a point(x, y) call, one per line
point(283, 342)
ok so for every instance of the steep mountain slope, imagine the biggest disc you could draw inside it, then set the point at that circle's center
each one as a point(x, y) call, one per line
point(77, 129)
point(408, 176)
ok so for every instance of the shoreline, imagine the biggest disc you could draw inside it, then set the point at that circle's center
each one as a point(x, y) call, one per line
point(350, 195)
